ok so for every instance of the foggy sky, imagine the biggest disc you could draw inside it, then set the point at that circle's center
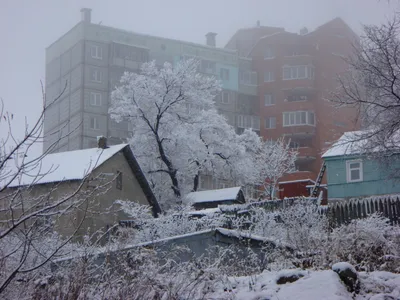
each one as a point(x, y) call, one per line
point(27, 27)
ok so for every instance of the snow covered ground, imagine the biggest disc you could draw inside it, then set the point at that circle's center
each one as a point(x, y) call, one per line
point(314, 285)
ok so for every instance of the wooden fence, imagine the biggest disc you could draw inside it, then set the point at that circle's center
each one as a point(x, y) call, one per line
point(343, 212)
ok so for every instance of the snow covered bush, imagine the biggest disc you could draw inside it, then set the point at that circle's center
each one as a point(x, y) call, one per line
point(300, 227)
point(174, 223)
point(362, 242)
point(140, 273)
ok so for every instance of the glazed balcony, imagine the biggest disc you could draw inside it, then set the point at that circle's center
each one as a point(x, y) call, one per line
point(301, 131)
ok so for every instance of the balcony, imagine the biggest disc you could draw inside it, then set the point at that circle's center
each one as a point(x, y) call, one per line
point(301, 59)
point(248, 89)
point(301, 131)
point(306, 154)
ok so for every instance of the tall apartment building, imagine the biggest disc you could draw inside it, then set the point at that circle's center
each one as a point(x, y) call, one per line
point(89, 61)
point(297, 74)
point(274, 82)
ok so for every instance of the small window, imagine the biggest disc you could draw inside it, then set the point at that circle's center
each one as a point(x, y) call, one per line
point(96, 52)
point(224, 73)
point(94, 123)
point(270, 123)
point(96, 75)
point(354, 170)
point(118, 181)
point(95, 99)
point(269, 53)
point(269, 100)
point(208, 66)
point(225, 97)
point(296, 98)
point(269, 76)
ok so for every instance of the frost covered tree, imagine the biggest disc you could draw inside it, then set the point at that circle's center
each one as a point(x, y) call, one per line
point(372, 86)
point(177, 132)
point(277, 159)
point(27, 241)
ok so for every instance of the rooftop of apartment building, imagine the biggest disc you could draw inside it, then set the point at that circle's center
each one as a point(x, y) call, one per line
point(240, 44)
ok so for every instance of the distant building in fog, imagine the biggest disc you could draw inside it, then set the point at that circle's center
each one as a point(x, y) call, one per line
point(273, 82)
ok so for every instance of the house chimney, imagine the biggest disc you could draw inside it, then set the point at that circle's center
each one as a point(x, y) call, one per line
point(86, 15)
point(102, 142)
point(210, 39)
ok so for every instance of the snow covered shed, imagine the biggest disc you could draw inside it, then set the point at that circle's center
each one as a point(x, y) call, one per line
point(213, 198)
point(353, 173)
point(93, 178)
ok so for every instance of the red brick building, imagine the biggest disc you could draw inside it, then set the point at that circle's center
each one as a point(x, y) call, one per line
point(296, 75)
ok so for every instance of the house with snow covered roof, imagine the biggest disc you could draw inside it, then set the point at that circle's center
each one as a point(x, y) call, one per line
point(351, 173)
point(213, 198)
point(103, 175)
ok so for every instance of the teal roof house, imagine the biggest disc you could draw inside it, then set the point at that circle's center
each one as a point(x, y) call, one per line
point(351, 173)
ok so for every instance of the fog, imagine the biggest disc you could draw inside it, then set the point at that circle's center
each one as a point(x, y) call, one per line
point(27, 27)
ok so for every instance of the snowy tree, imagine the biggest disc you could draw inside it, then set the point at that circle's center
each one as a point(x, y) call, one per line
point(372, 86)
point(277, 159)
point(27, 241)
point(177, 132)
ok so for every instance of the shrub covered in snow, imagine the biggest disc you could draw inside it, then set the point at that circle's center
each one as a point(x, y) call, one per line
point(363, 242)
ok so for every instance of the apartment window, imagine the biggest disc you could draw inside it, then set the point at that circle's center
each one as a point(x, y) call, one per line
point(297, 98)
point(270, 123)
point(208, 66)
point(269, 53)
point(118, 181)
point(295, 118)
point(94, 123)
point(95, 99)
point(224, 73)
point(298, 72)
point(248, 78)
point(96, 52)
point(225, 97)
point(354, 170)
point(269, 99)
point(339, 123)
point(96, 75)
point(269, 76)
point(248, 121)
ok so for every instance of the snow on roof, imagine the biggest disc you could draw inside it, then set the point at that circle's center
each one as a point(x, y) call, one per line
point(298, 180)
point(214, 195)
point(70, 165)
point(349, 143)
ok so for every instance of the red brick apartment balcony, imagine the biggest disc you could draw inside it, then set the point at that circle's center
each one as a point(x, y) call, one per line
point(299, 131)
point(306, 154)
point(303, 59)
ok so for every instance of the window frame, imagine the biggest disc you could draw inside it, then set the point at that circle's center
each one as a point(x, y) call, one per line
point(348, 170)
point(222, 72)
point(269, 53)
point(291, 118)
point(98, 52)
point(95, 102)
point(228, 97)
point(96, 124)
point(118, 181)
point(271, 76)
point(96, 78)
point(294, 72)
point(269, 120)
point(248, 78)
point(271, 99)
